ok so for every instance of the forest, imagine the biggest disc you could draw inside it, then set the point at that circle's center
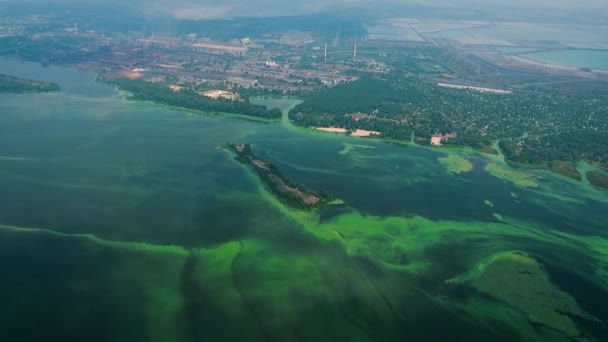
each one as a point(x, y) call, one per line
point(533, 127)
point(187, 98)
point(16, 85)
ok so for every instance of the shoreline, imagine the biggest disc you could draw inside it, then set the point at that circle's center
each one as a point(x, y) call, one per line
point(355, 133)
point(127, 97)
point(446, 148)
point(549, 65)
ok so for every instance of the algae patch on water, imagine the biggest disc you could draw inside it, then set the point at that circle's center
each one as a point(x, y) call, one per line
point(498, 217)
point(456, 164)
point(516, 177)
point(520, 281)
point(132, 289)
point(348, 147)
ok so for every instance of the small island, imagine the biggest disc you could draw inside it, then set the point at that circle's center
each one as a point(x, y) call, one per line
point(292, 194)
point(16, 85)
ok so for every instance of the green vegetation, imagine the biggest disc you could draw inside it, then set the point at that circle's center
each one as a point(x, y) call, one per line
point(558, 127)
point(16, 85)
point(520, 281)
point(293, 194)
point(489, 150)
point(186, 98)
point(516, 177)
point(456, 164)
point(598, 179)
point(567, 169)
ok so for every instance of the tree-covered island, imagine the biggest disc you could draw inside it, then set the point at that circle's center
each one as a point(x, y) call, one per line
point(287, 191)
point(17, 85)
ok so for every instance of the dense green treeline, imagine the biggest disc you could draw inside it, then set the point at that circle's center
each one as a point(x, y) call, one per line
point(16, 85)
point(186, 98)
point(533, 127)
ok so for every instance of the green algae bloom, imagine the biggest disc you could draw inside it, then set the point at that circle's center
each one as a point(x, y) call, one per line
point(520, 281)
point(518, 178)
point(456, 164)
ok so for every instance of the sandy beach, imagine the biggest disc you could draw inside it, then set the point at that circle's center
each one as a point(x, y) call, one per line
point(355, 133)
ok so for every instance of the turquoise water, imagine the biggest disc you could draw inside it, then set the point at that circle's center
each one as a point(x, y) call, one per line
point(513, 50)
point(125, 221)
point(580, 58)
point(525, 31)
point(530, 32)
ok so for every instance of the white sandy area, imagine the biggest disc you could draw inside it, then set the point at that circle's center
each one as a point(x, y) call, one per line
point(130, 75)
point(364, 133)
point(216, 94)
point(486, 90)
point(331, 129)
point(355, 133)
point(436, 141)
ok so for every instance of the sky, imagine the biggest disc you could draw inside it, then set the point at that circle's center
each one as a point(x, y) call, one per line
point(227, 8)
point(283, 7)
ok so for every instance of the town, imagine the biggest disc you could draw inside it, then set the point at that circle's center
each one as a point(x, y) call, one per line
point(432, 82)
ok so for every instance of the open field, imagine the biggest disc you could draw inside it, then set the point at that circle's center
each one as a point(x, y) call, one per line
point(216, 94)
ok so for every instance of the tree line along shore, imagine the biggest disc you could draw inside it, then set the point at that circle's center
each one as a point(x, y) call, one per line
point(184, 97)
point(17, 85)
point(535, 129)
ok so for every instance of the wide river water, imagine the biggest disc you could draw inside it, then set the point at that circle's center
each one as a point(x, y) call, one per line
point(126, 221)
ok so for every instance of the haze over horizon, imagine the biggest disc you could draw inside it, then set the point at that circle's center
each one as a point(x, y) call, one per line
point(206, 9)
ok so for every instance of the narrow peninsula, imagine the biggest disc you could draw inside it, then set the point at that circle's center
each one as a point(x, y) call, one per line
point(16, 85)
point(290, 193)
point(218, 101)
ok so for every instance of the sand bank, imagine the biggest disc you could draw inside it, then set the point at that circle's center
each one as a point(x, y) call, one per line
point(355, 133)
